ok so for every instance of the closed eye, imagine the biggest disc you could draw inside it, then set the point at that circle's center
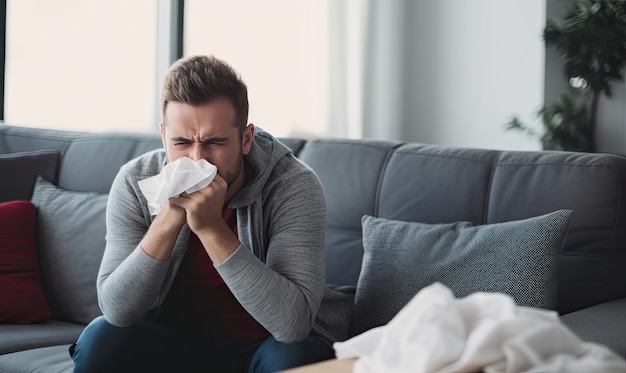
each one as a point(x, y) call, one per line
point(180, 141)
point(214, 141)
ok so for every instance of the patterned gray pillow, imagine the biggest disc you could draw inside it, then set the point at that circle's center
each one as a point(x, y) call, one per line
point(519, 258)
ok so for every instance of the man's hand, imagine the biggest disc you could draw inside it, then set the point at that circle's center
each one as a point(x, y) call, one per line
point(204, 207)
point(203, 211)
point(159, 240)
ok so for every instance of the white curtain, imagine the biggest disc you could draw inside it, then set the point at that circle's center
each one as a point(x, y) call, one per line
point(366, 70)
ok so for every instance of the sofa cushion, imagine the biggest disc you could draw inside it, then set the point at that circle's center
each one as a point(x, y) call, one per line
point(90, 163)
point(19, 171)
point(22, 296)
point(598, 324)
point(52, 359)
point(18, 337)
point(71, 232)
point(349, 171)
point(518, 258)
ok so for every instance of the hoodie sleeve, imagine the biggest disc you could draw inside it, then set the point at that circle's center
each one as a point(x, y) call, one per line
point(129, 280)
point(284, 293)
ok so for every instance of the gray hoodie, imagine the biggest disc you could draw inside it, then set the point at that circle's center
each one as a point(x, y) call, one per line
point(277, 272)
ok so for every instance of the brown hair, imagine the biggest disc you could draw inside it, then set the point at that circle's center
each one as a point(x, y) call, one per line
point(197, 80)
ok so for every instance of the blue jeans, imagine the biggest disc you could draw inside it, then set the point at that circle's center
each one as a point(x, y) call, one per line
point(152, 347)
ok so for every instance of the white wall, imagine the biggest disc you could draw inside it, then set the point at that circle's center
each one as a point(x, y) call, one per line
point(470, 66)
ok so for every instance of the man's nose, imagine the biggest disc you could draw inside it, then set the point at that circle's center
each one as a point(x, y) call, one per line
point(196, 152)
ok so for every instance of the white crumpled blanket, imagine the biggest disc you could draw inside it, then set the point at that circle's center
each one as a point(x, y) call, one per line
point(181, 175)
point(435, 332)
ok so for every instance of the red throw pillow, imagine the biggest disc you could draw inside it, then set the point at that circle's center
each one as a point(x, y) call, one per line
point(21, 294)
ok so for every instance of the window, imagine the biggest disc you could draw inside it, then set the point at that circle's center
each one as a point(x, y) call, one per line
point(280, 49)
point(76, 64)
point(93, 65)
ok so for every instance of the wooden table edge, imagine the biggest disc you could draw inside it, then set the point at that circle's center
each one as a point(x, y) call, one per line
point(327, 366)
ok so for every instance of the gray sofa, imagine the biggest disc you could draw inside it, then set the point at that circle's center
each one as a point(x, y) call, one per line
point(402, 181)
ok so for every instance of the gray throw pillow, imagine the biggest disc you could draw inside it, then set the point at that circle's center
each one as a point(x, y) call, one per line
point(518, 258)
point(19, 171)
point(70, 229)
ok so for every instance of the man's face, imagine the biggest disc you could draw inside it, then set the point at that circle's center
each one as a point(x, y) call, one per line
point(207, 131)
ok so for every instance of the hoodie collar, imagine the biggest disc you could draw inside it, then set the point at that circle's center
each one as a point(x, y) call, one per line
point(265, 152)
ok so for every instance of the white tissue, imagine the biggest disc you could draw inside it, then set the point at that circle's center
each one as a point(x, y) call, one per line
point(484, 332)
point(182, 175)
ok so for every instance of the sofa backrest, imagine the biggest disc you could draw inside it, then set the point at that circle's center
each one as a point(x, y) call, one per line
point(413, 182)
point(89, 161)
point(434, 184)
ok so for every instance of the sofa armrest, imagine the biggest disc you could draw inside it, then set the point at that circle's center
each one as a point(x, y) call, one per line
point(604, 323)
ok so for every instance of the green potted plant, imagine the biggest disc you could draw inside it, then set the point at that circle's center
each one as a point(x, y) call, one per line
point(591, 39)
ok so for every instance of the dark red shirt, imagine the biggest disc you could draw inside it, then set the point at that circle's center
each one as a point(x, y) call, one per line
point(199, 301)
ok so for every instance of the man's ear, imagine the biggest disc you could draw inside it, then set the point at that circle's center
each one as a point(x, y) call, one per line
point(162, 130)
point(246, 141)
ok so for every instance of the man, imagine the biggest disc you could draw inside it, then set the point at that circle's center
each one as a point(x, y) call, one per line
point(225, 279)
